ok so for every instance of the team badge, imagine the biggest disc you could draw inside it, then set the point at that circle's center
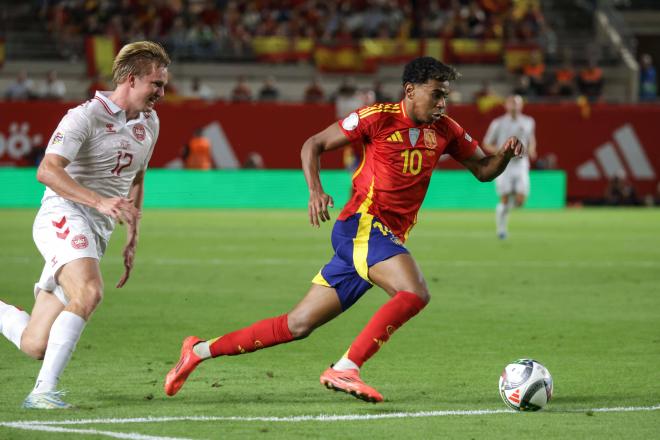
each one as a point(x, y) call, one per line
point(79, 242)
point(413, 135)
point(58, 138)
point(350, 122)
point(139, 132)
point(429, 138)
point(110, 128)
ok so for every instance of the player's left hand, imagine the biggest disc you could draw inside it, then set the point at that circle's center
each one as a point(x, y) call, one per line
point(513, 147)
point(129, 257)
point(318, 205)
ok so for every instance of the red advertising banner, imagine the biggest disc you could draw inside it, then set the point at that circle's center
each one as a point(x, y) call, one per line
point(592, 145)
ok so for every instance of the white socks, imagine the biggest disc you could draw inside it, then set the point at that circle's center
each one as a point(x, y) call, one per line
point(64, 335)
point(344, 364)
point(12, 323)
point(202, 350)
point(502, 216)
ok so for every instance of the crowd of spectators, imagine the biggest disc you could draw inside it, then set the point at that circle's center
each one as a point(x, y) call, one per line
point(212, 28)
point(23, 88)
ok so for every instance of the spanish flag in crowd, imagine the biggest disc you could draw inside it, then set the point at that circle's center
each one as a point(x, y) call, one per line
point(101, 51)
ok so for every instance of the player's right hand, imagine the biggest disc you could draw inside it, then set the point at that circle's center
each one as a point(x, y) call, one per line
point(318, 205)
point(121, 209)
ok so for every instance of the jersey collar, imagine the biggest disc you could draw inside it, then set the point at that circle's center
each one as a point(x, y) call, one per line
point(115, 110)
point(104, 97)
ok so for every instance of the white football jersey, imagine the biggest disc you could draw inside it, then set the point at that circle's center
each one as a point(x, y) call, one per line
point(504, 127)
point(105, 151)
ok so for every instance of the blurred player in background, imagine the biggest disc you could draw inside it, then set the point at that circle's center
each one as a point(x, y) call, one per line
point(93, 170)
point(512, 185)
point(402, 144)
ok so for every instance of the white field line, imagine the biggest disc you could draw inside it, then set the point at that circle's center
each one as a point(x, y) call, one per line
point(316, 418)
point(55, 425)
point(111, 434)
point(319, 261)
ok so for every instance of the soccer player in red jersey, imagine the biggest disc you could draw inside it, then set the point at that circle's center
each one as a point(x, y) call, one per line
point(402, 143)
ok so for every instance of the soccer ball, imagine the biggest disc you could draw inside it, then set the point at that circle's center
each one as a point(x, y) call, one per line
point(526, 385)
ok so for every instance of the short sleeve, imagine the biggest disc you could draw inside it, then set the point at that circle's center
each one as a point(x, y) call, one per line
point(462, 146)
point(360, 128)
point(72, 131)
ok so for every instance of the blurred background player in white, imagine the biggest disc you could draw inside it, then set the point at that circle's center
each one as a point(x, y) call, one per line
point(93, 170)
point(512, 185)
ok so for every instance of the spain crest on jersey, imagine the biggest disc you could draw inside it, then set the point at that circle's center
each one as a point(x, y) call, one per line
point(429, 138)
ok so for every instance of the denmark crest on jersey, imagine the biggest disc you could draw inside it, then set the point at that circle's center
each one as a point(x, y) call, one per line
point(139, 132)
point(429, 138)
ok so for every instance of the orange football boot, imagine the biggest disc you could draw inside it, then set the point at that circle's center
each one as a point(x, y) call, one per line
point(349, 382)
point(186, 365)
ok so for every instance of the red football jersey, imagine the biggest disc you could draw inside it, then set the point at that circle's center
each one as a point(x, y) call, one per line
point(399, 157)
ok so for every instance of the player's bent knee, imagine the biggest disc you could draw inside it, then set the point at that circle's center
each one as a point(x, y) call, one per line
point(89, 300)
point(300, 327)
point(34, 347)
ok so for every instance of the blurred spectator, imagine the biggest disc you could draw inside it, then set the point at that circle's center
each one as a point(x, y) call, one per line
point(379, 93)
point(564, 79)
point(535, 71)
point(52, 88)
point(241, 91)
point(590, 81)
point(198, 90)
point(197, 153)
point(96, 84)
point(254, 160)
point(648, 88)
point(522, 86)
point(620, 192)
point(269, 92)
point(486, 98)
point(21, 89)
point(347, 98)
point(314, 93)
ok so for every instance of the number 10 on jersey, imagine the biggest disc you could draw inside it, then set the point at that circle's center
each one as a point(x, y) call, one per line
point(412, 161)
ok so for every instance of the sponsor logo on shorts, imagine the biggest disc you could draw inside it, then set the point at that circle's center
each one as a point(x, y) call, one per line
point(139, 132)
point(79, 242)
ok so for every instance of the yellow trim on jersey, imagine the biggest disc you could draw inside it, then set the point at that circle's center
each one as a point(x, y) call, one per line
point(414, 222)
point(364, 159)
point(318, 279)
point(379, 110)
point(361, 240)
point(395, 137)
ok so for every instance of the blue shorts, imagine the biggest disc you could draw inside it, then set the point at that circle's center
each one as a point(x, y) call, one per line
point(360, 241)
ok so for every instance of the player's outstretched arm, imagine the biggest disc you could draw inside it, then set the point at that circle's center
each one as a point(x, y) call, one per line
point(486, 168)
point(329, 139)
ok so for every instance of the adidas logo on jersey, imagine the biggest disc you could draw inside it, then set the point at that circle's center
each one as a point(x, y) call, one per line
point(395, 137)
point(607, 156)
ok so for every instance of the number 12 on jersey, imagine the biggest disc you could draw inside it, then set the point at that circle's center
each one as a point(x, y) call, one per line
point(124, 159)
point(412, 161)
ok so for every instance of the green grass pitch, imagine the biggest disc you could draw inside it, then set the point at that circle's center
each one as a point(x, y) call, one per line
point(578, 290)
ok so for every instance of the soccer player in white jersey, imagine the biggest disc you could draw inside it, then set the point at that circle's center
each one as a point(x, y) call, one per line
point(94, 175)
point(512, 185)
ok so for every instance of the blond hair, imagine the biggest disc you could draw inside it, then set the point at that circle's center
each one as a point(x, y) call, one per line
point(138, 58)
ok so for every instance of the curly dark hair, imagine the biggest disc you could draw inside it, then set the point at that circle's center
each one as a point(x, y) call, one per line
point(422, 69)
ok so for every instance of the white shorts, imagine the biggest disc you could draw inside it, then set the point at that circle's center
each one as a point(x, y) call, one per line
point(63, 234)
point(512, 183)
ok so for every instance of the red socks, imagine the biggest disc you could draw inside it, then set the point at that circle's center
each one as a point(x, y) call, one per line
point(262, 334)
point(392, 315)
